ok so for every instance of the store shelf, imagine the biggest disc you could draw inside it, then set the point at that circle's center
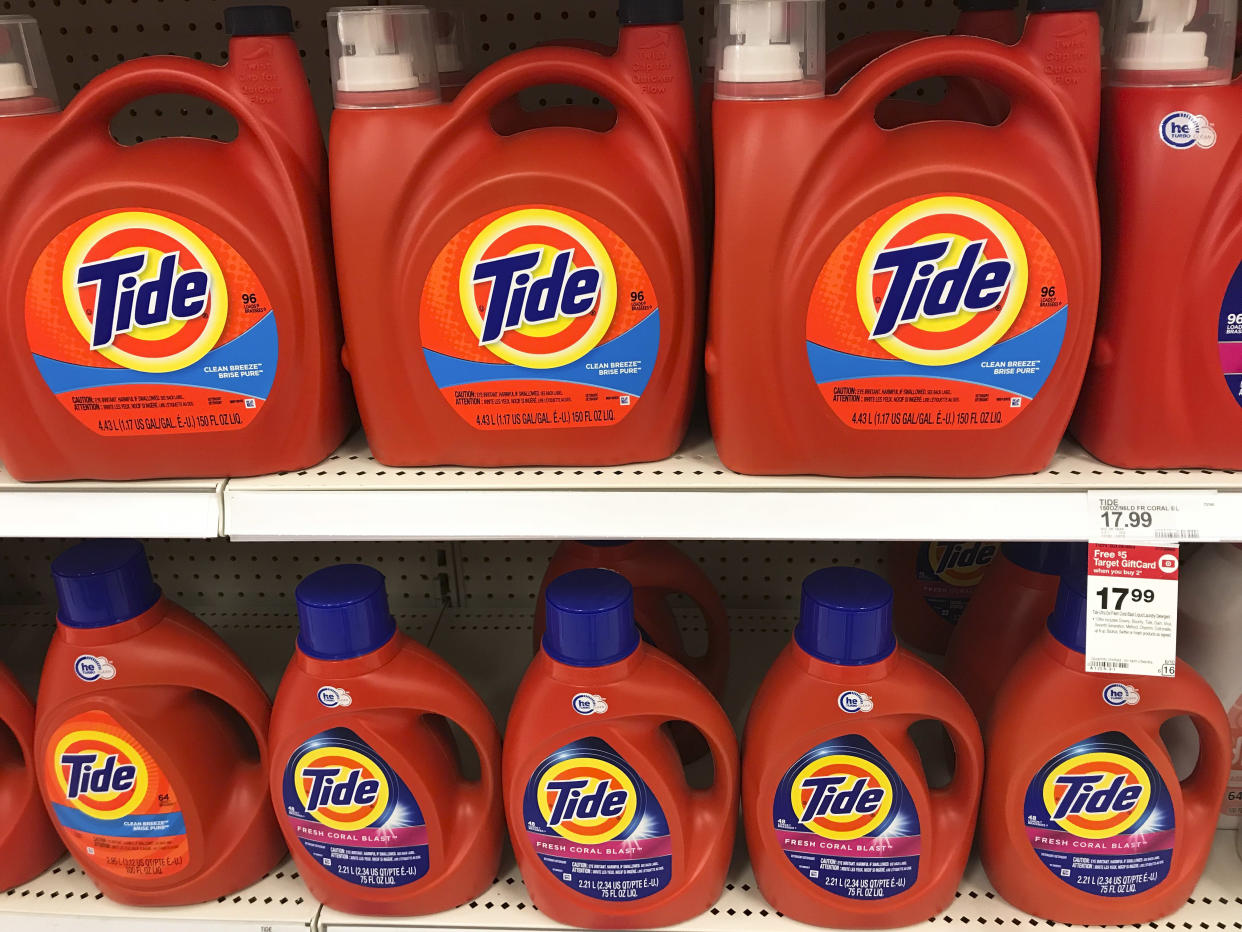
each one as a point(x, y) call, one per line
point(691, 495)
point(165, 508)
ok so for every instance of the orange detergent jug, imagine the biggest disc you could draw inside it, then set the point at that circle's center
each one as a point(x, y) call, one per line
point(1083, 819)
point(28, 843)
point(364, 774)
point(962, 99)
point(842, 827)
point(151, 739)
point(1007, 612)
point(1164, 385)
point(927, 299)
point(933, 582)
point(169, 306)
point(607, 831)
point(554, 270)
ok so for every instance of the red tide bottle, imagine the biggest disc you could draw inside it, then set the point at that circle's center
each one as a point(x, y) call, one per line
point(537, 263)
point(607, 831)
point(1164, 385)
point(150, 738)
point(167, 308)
point(1007, 612)
point(1084, 820)
point(830, 773)
point(868, 357)
point(364, 775)
point(28, 843)
point(933, 582)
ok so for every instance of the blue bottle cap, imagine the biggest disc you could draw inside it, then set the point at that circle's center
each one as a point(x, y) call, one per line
point(1050, 558)
point(847, 616)
point(1068, 621)
point(103, 582)
point(343, 612)
point(590, 618)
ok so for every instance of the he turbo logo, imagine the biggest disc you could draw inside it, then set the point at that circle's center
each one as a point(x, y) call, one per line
point(124, 301)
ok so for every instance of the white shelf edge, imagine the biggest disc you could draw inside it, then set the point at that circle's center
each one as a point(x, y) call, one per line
point(111, 510)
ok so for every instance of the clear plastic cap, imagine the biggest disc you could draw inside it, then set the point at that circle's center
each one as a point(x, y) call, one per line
point(26, 85)
point(1171, 42)
point(770, 49)
point(450, 41)
point(383, 56)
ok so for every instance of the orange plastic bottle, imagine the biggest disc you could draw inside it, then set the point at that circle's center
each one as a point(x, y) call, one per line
point(553, 272)
point(841, 825)
point(364, 775)
point(1007, 612)
point(168, 307)
point(607, 832)
point(927, 298)
point(151, 738)
point(656, 569)
point(28, 843)
point(1083, 818)
point(933, 582)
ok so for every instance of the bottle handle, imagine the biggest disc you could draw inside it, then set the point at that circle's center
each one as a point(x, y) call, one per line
point(953, 56)
point(957, 804)
point(1201, 789)
point(847, 59)
point(722, 795)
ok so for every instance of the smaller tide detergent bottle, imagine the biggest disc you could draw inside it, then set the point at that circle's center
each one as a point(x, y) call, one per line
point(365, 776)
point(842, 827)
point(1164, 385)
point(168, 307)
point(28, 843)
point(933, 582)
point(607, 830)
point(1009, 610)
point(1209, 638)
point(510, 299)
point(452, 52)
point(1083, 819)
point(928, 300)
point(151, 739)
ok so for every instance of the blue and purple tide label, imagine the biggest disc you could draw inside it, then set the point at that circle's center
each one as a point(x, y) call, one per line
point(846, 821)
point(596, 825)
point(1100, 817)
point(353, 814)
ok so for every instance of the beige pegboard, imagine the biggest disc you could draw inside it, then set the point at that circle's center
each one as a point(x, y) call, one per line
point(756, 575)
point(219, 576)
point(84, 37)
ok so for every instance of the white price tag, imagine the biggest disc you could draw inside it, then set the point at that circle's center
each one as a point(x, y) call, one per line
point(1132, 609)
point(1153, 517)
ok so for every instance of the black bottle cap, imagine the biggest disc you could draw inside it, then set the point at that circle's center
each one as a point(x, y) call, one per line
point(650, 12)
point(267, 20)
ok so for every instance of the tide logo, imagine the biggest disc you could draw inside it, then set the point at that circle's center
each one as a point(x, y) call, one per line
point(841, 796)
point(941, 280)
point(538, 288)
point(145, 292)
point(586, 800)
point(100, 774)
point(1097, 794)
point(341, 787)
point(960, 563)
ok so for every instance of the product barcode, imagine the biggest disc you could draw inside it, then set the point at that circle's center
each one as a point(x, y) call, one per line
point(1177, 535)
point(1107, 666)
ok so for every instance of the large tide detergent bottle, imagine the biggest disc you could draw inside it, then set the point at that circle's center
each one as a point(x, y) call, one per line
point(1084, 820)
point(1008, 611)
point(28, 843)
point(927, 298)
point(509, 299)
point(365, 776)
point(607, 830)
point(151, 739)
point(933, 582)
point(842, 827)
point(1209, 638)
point(168, 307)
point(1164, 385)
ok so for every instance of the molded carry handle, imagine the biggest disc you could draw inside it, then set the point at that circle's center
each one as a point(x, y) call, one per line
point(722, 795)
point(953, 56)
point(562, 65)
point(1201, 791)
point(847, 59)
point(958, 803)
